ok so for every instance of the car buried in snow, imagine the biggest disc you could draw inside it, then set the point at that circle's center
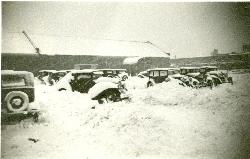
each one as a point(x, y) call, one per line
point(113, 73)
point(159, 75)
point(191, 76)
point(221, 75)
point(17, 91)
point(143, 74)
point(45, 76)
point(103, 89)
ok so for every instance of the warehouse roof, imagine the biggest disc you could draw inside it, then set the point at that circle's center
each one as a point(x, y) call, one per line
point(68, 45)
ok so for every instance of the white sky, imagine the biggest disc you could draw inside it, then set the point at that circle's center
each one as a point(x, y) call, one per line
point(183, 29)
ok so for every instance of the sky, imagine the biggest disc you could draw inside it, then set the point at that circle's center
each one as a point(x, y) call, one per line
point(182, 29)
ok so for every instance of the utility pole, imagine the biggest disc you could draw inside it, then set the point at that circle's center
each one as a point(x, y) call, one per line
point(31, 42)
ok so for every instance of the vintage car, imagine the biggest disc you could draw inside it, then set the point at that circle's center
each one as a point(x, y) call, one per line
point(92, 81)
point(205, 69)
point(17, 89)
point(221, 75)
point(55, 76)
point(45, 76)
point(120, 73)
point(202, 76)
point(143, 74)
point(159, 75)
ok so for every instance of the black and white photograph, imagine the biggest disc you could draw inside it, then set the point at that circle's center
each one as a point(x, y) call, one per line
point(125, 80)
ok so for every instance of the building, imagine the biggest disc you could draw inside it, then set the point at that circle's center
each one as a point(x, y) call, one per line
point(39, 52)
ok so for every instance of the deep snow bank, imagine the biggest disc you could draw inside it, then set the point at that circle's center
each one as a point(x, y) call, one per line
point(164, 121)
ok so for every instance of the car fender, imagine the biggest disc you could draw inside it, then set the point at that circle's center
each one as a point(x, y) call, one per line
point(98, 88)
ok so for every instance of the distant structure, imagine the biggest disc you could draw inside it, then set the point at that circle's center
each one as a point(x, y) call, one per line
point(215, 52)
point(32, 52)
point(246, 47)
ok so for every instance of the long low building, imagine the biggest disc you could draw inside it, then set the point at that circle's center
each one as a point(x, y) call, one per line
point(37, 52)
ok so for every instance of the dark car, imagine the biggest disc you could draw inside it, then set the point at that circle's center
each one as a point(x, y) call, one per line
point(79, 80)
point(205, 69)
point(17, 88)
point(103, 88)
point(159, 75)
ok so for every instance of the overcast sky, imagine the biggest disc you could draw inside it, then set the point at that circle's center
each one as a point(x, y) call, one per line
point(183, 29)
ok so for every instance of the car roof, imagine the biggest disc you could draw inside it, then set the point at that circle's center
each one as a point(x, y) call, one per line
point(84, 71)
point(112, 69)
point(209, 67)
point(189, 67)
point(47, 71)
point(162, 69)
point(12, 72)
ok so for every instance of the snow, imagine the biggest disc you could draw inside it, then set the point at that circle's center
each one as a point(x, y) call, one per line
point(65, 82)
point(106, 79)
point(163, 121)
point(131, 60)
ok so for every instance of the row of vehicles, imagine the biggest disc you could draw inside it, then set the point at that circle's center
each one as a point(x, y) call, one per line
point(189, 76)
point(103, 85)
point(18, 90)
point(51, 77)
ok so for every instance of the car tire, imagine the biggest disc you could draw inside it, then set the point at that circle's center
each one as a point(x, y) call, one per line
point(62, 89)
point(230, 80)
point(150, 84)
point(124, 78)
point(16, 101)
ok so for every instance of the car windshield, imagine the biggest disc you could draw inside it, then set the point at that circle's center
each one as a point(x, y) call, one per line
point(151, 73)
point(176, 71)
point(202, 70)
point(183, 71)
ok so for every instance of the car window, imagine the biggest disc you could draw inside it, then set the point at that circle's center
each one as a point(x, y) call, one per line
point(151, 73)
point(176, 71)
point(183, 71)
point(12, 81)
point(85, 76)
point(156, 73)
point(202, 69)
point(163, 73)
point(110, 72)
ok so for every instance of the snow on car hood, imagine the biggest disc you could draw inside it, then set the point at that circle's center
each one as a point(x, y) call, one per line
point(106, 79)
point(64, 82)
point(100, 87)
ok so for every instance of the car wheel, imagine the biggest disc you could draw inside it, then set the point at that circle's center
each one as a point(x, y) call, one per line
point(124, 78)
point(16, 101)
point(210, 84)
point(62, 89)
point(150, 84)
point(230, 80)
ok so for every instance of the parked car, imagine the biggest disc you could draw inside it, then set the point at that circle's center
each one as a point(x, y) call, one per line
point(223, 76)
point(17, 89)
point(205, 69)
point(55, 76)
point(45, 76)
point(159, 75)
point(211, 71)
point(92, 81)
point(78, 80)
point(120, 73)
point(143, 74)
point(191, 76)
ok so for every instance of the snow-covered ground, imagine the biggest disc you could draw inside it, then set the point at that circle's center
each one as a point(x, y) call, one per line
point(164, 121)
